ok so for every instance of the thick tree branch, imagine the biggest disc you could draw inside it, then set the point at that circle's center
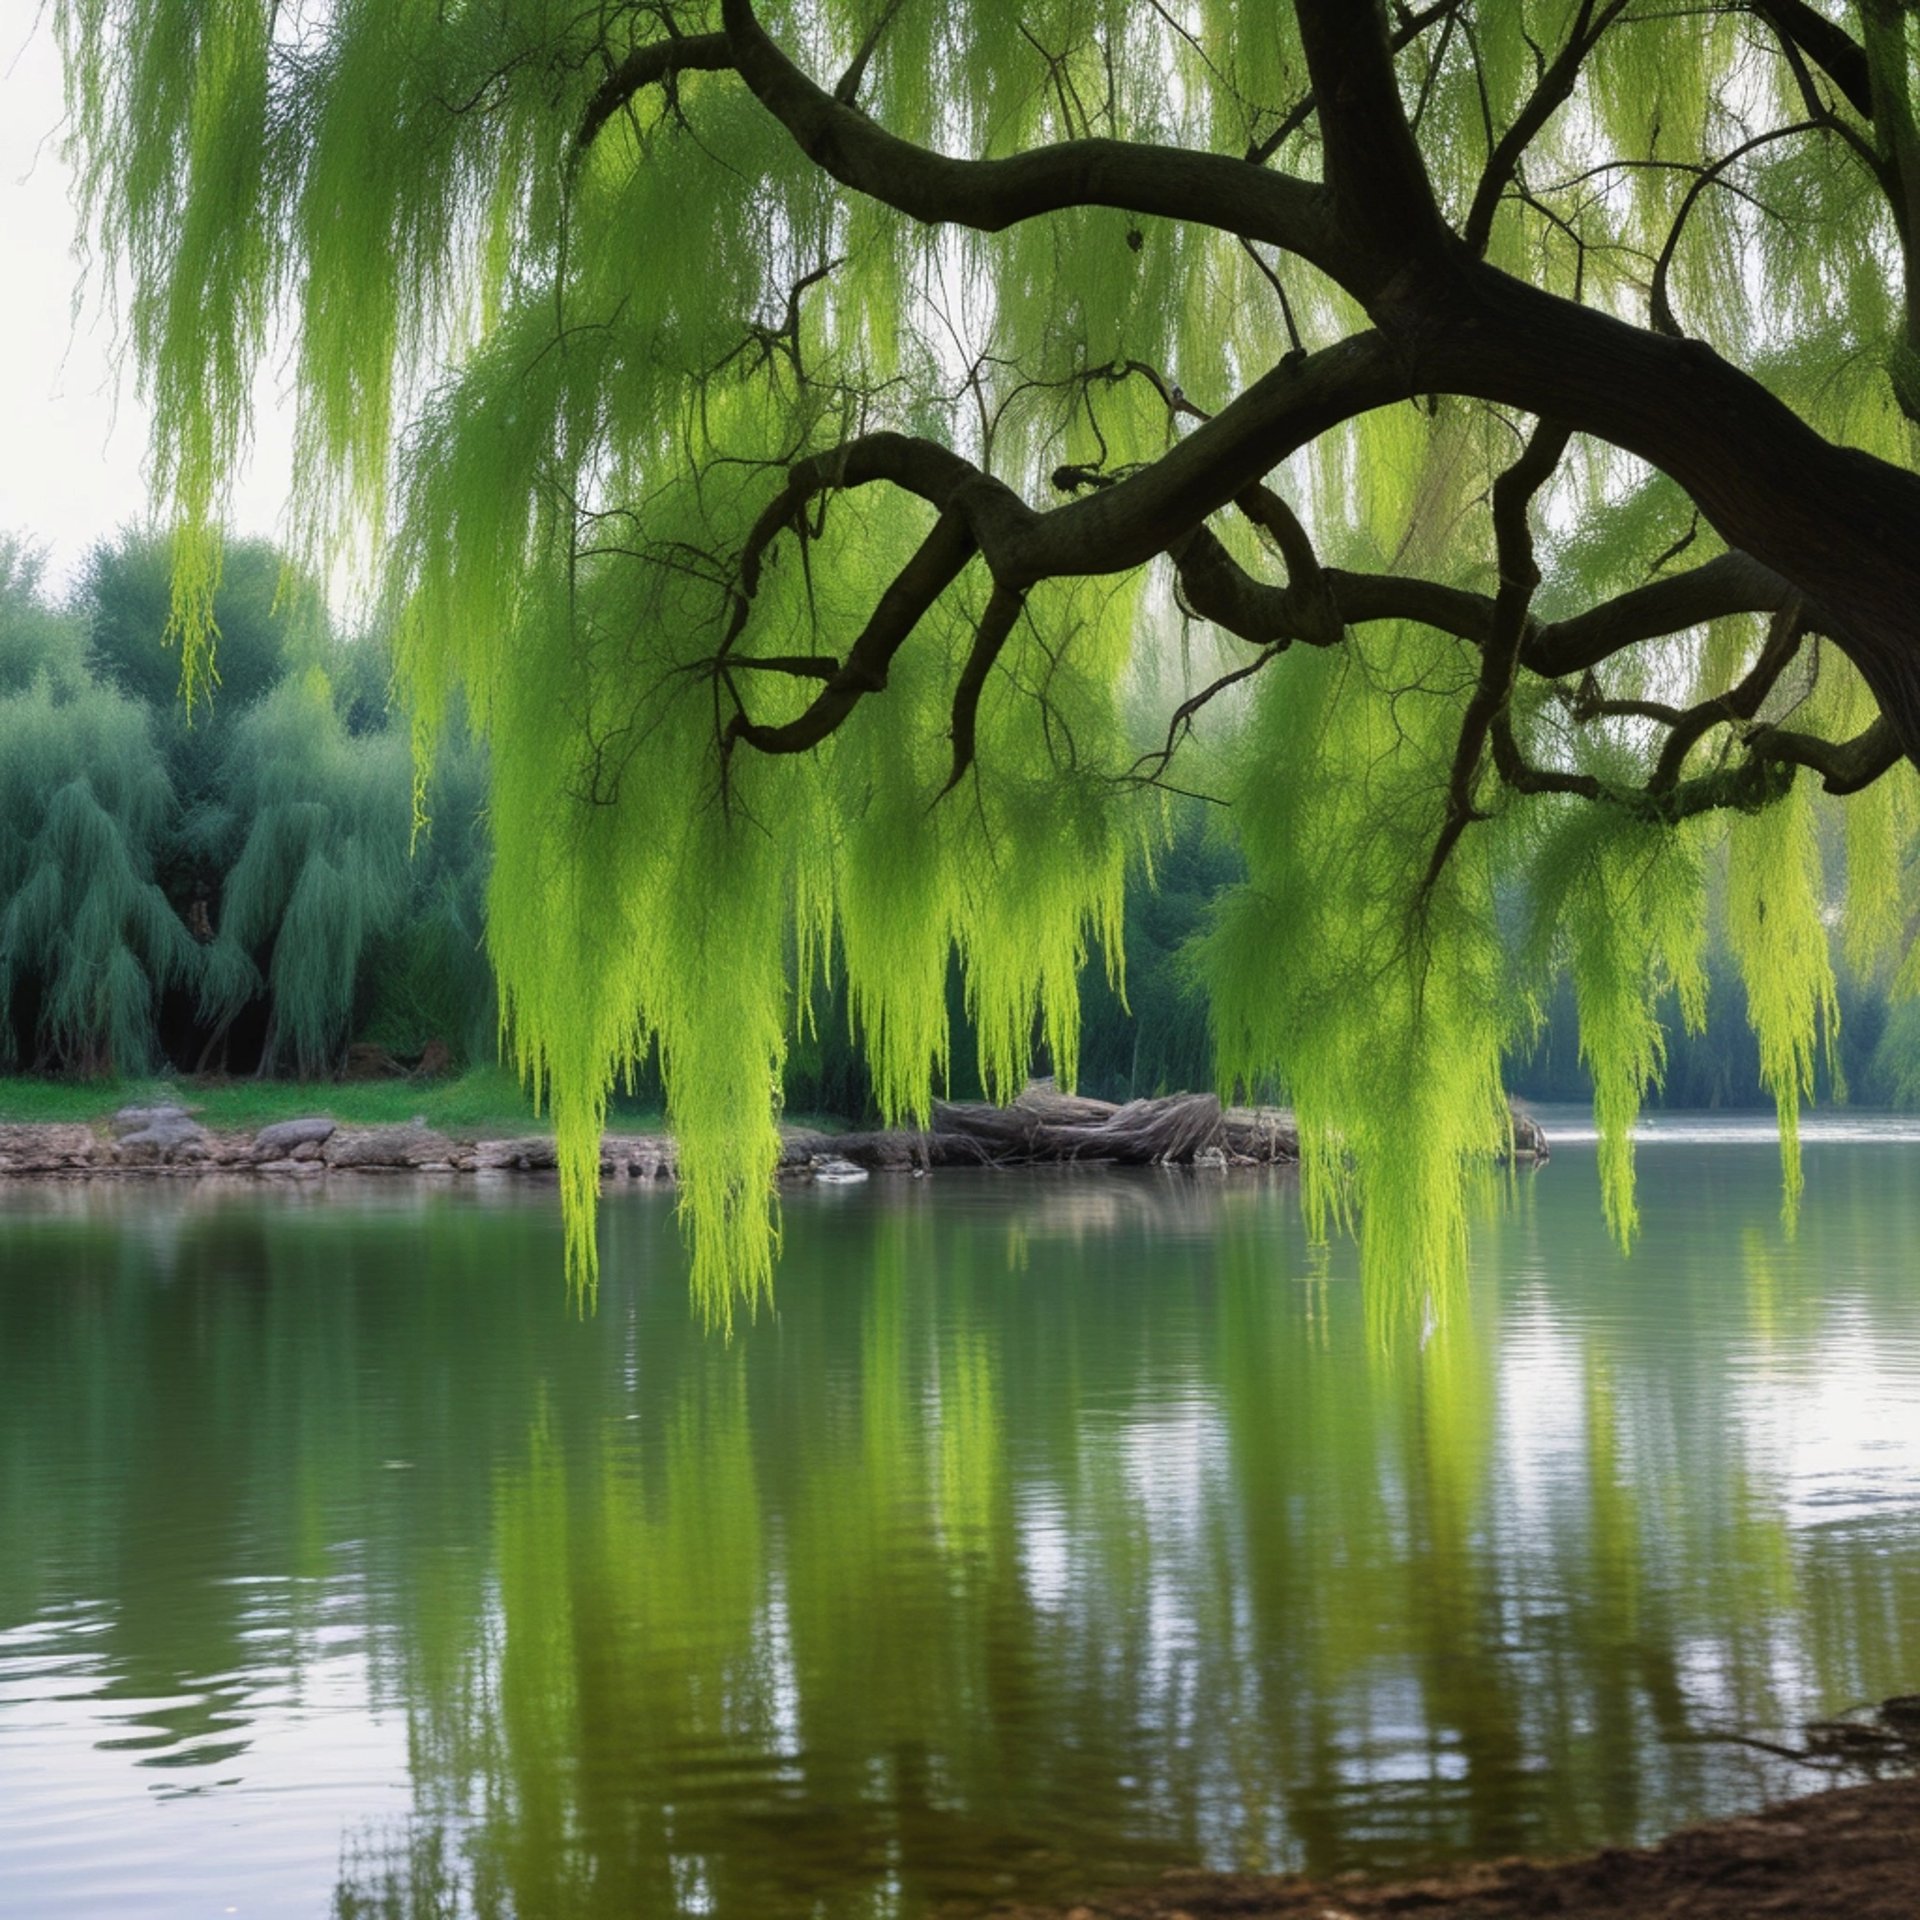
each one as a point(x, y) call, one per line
point(1178, 183)
point(1845, 766)
point(1733, 583)
point(1829, 47)
point(1374, 173)
point(1841, 526)
point(1218, 589)
point(1410, 26)
point(650, 66)
point(934, 567)
point(1127, 524)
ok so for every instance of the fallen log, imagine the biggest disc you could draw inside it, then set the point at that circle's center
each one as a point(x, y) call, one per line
point(1045, 1127)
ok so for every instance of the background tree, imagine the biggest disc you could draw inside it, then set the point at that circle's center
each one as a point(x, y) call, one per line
point(794, 425)
point(238, 886)
point(88, 940)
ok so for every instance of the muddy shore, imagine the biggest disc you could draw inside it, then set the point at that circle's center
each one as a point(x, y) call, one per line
point(1852, 1853)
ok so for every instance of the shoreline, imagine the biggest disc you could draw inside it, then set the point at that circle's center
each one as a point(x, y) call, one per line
point(1043, 1127)
point(1842, 1851)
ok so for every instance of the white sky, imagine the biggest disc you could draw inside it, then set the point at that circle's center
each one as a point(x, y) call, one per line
point(73, 433)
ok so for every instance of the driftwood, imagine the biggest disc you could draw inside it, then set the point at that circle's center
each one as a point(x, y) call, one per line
point(1047, 1127)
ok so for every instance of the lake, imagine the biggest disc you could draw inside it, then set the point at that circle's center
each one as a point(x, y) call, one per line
point(1051, 1531)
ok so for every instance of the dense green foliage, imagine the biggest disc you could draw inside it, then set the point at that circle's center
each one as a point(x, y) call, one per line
point(231, 885)
point(818, 530)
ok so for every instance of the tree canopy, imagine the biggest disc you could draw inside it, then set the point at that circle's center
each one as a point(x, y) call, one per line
point(852, 457)
point(227, 884)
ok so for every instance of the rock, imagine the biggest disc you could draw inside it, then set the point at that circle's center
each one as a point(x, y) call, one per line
point(390, 1147)
point(1902, 1711)
point(281, 1140)
point(167, 1139)
point(829, 1169)
point(143, 1119)
point(1210, 1160)
point(534, 1154)
point(54, 1148)
point(654, 1163)
point(637, 1156)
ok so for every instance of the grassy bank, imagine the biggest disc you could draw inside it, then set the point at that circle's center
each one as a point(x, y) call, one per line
point(483, 1101)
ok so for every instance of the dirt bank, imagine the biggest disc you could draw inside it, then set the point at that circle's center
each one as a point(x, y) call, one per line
point(1849, 1854)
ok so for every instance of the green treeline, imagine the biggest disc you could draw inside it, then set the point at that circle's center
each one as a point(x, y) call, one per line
point(239, 888)
point(230, 887)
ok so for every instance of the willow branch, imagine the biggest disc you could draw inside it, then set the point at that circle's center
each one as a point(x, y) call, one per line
point(650, 66)
point(1659, 309)
point(1513, 494)
point(1552, 91)
point(1177, 183)
point(934, 567)
point(1829, 47)
point(996, 624)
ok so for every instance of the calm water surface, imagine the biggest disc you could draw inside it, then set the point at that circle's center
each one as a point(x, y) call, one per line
point(1053, 1531)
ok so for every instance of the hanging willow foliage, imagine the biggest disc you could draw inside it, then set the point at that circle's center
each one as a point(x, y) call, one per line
point(84, 796)
point(321, 869)
point(800, 435)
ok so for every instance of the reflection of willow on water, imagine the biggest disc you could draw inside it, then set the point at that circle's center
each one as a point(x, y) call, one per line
point(951, 1568)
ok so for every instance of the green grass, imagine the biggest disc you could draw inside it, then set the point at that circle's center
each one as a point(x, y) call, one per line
point(482, 1101)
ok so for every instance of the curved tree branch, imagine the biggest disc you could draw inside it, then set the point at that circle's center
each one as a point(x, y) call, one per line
point(1513, 495)
point(1179, 183)
point(650, 66)
point(1659, 309)
point(934, 567)
point(1845, 767)
point(996, 625)
point(1828, 46)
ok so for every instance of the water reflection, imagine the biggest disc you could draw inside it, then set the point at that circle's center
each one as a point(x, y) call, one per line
point(1052, 1531)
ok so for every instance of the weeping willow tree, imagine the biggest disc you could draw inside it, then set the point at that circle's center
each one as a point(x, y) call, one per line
point(321, 870)
point(798, 431)
point(88, 939)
